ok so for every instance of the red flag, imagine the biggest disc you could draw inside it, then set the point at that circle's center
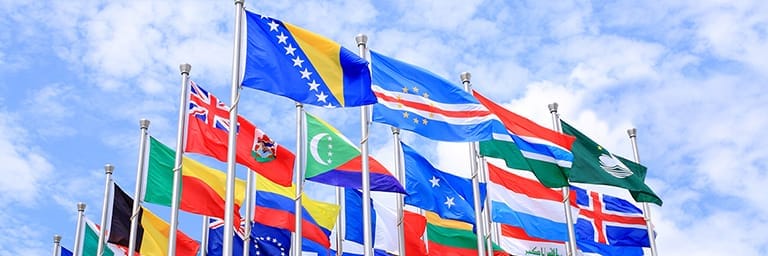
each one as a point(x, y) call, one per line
point(207, 131)
point(414, 228)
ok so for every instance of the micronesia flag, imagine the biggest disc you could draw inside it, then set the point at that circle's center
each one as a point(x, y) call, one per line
point(609, 220)
point(290, 61)
point(412, 98)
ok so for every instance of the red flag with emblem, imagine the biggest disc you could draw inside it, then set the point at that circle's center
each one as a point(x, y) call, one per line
point(207, 131)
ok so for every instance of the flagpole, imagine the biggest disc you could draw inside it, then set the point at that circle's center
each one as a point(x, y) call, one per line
point(424, 237)
point(249, 204)
point(78, 248)
point(493, 231)
point(400, 198)
point(204, 237)
point(479, 225)
point(137, 194)
point(108, 169)
point(646, 207)
point(362, 41)
point(229, 211)
point(571, 244)
point(56, 245)
point(298, 173)
point(180, 141)
point(340, 222)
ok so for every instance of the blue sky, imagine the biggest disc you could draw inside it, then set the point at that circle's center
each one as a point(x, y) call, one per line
point(76, 76)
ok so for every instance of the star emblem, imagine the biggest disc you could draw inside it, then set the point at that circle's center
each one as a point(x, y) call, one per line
point(424, 121)
point(405, 89)
point(321, 97)
point(297, 61)
point(305, 74)
point(329, 105)
point(435, 181)
point(289, 50)
point(282, 38)
point(449, 201)
point(415, 120)
point(273, 25)
point(415, 89)
point(313, 85)
point(426, 95)
point(405, 114)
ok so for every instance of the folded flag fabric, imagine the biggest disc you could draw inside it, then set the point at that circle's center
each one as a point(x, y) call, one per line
point(590, 248)
point(452, 238)
point(594, 164)
point(385, 236)
point(515, 241)
point(526, 145)
point(289, 61)
point(152, 236)
point(415, 225)
point(90, 242)
point(65, 252)
point(349, 175)
point(609, 220)
point(202, 188)
point(208, 130)
point(265, 240)
point(353, 214)
point(414, 99)
point(216, 239)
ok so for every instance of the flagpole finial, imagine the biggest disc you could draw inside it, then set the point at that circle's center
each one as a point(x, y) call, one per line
point(80, 207)
point(109, 168)
point(239, 1)
point(361, 39)
point(185, 68)
point(395, 130)
point(56, 239)
point(144, 123)
point(552, 107)
point(632, 132)
point(465, 77)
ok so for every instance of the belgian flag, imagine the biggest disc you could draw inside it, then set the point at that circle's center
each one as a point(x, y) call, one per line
point(152, 232)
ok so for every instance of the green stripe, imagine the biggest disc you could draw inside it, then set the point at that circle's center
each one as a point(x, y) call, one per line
point(549, 174)
point(159, 181)
point(91, 243)
point(457, 238)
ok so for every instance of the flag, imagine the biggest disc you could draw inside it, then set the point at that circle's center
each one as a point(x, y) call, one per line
point(290, 61)
point(414, 99)
point(385, 234)
point(609, 220)
point(90, 242)
point(415, 224)
point(216, 239)
point(353, 214)
point(66, 252)
point(265, 240)
point(152, 234)
point(208, 130)
point(202, 187)
point(428, 189)
point(452, 238)
point(526, 203)
point(596, 165)
point(275, 208)
point(515, 241)
point(590, 248)
point(526, 145)
point(332, 159)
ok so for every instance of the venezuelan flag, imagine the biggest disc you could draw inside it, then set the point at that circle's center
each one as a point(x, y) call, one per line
point(290, 61)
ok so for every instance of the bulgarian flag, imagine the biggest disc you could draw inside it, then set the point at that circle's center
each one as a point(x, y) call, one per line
point(452, 238)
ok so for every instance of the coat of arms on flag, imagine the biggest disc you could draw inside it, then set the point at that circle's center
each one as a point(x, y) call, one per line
point(264, 149)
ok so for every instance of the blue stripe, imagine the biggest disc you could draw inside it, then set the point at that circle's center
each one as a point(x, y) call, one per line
point(436, 130)
point(607, 250)
point(353, 210)
point(278, 202)
point(620, 205)
point(353, 179)
point(533, 225)
point(543, 149)
point(621, 236)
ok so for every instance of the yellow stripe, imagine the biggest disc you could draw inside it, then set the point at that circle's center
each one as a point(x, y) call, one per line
point(155, 238)
point(435, 219)
point(215, 179)
point(323, 54)
point(324, 213)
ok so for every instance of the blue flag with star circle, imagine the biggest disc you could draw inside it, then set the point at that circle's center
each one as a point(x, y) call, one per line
point(429, 189)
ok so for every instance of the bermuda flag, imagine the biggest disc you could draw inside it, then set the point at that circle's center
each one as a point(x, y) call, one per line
point(609, 220)
point(414, 99)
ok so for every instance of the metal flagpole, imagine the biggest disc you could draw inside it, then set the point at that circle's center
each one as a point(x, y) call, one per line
point(78, 248)
point(571, 244)
point(204, 237)
point(340, 221)
point(180, 140)
point(400, 198)
point(299, 166)
point(362, 41)
point(108, 169)
point(56, 245)
point(646, 207)
point(491, 230)
point(250, 196)
point(138, 189)
point(479, 225)
point(229, 211)
point(424, 237)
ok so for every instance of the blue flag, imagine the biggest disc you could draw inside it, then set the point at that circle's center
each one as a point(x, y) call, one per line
point(608, 250)
point(290, 61)
point(428, 189)
point(266, 240)
point(609, 220)
point(353, 210)
point(65, 252)
point(412, 98)
point(216, 242)
point(463, 186)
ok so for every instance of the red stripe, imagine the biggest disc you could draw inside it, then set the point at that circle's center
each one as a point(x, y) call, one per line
point(285, 220)
point(433, 109)
point(521, 185)
point(198, 197)
point(522, 126)
point(519, 233)
point(356, 165)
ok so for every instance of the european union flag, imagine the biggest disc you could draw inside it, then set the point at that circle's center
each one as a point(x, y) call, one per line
point(290, 61)
point(428, 189)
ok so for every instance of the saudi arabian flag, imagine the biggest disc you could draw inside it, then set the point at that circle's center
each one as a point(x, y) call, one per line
point(593, 164)
point(327, 148)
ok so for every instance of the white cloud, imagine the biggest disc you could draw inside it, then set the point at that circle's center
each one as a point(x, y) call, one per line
point(27, 165)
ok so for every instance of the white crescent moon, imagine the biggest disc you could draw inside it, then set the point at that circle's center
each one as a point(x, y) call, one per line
point(313, 147)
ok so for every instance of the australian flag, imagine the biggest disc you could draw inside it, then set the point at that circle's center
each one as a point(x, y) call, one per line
point(266, 240)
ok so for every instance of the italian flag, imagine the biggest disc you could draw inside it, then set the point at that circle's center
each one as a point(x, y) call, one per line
point(452, 238)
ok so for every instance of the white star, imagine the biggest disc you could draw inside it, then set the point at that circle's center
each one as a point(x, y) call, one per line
point(289, 50)
point(282, 38)
point(297, 62)
point(305, 74)
point(313, 85)
point(273, 25)
point(263, 16)
point(321, 97)
point(449, 202)
point(435, 181)
point(329, 105)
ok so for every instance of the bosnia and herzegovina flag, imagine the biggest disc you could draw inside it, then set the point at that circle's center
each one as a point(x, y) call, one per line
point(290, 61)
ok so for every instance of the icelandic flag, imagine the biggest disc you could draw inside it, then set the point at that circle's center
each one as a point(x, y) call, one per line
point(609, 220)
point(289, 61)
point(412, 98)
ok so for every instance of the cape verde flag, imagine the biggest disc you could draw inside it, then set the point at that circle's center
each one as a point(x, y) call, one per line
point(412, 98)
point(290, 61)
point(609, 220)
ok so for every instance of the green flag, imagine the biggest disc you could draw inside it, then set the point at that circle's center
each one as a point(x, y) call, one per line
point(90, 241)
point(594, 164)
point(327, 148)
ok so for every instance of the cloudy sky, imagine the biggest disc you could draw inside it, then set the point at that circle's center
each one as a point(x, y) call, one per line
point(75, 77)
